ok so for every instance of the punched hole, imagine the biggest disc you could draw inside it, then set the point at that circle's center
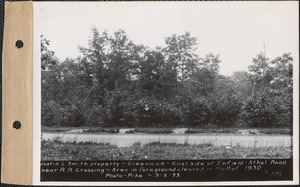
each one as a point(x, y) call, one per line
point(17, 125)
point(19, 44)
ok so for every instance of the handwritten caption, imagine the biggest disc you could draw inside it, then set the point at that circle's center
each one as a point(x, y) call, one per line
point(203, 170)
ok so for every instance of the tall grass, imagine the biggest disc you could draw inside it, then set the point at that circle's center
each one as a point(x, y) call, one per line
point(57, 150)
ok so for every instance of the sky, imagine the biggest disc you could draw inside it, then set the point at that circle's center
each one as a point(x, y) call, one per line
point(237, 31)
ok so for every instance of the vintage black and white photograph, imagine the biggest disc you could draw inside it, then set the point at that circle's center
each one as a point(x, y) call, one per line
point(172, 81)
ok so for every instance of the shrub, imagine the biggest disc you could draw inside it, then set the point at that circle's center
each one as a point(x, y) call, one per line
point(198, 112)
point(119, 109)
point(130, 116)
point(112, 108)
point(74, 115)
point(95, 116)
point(123, 109)
point(225, 109)
point(268, 108)
point(52, 114)
point(158, 112)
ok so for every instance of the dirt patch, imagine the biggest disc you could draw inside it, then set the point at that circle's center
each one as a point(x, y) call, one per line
point(77, 130)
point(248, 131)
point(180, 130)
point(124, 131)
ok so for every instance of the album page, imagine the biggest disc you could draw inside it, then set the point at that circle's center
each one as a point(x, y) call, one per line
point(165, 93)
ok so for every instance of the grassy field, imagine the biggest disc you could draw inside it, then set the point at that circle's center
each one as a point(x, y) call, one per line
point(56, 150)
point(161, 130)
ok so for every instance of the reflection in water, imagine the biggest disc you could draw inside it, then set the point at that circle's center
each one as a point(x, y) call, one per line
point(123, 140)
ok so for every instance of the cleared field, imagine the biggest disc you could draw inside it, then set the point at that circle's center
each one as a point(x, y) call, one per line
point(57, 150)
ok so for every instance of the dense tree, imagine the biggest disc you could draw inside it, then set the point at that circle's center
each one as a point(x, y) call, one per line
point(116, 82)
point(267, 108)
point(271, 101)
point(282, 72)
point(205, 75)
point(180, 54)
point(151, 66)
point(50, 83)
point(48, 57)
point(260, 72)
point(242, 83)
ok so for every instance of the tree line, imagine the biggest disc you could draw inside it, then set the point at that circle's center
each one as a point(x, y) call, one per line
point(117, 83)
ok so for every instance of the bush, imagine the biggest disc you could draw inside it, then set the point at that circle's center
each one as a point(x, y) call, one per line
point(130, 116)
point(157, 112)
point(112, 107)
point(52, 114)
point(95, 116)
point(286, 116)
point(268, 108)
point(225, 109)
point(123, 109)
point(119, 109)
point(74, 115)
point(198, 112)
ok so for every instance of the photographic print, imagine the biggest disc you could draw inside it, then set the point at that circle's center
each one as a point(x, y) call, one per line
point(167, 91)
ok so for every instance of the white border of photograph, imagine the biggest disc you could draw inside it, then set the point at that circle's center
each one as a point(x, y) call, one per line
point(37, 20)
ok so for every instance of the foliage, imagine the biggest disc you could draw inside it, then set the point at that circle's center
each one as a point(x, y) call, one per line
point(225, 109)
point(225, 103)
point(198, 112)
point(282, 72)
point(268, 108)
point(271, 102)
point(242, 84)
point(47, 56)
point(52, 114)
point(119, 109)
point(180, 54)
point(117, 83)
point(277, 73)
point(157, 112)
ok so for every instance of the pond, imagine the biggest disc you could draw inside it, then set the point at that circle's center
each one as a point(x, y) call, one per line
point(123, 140)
